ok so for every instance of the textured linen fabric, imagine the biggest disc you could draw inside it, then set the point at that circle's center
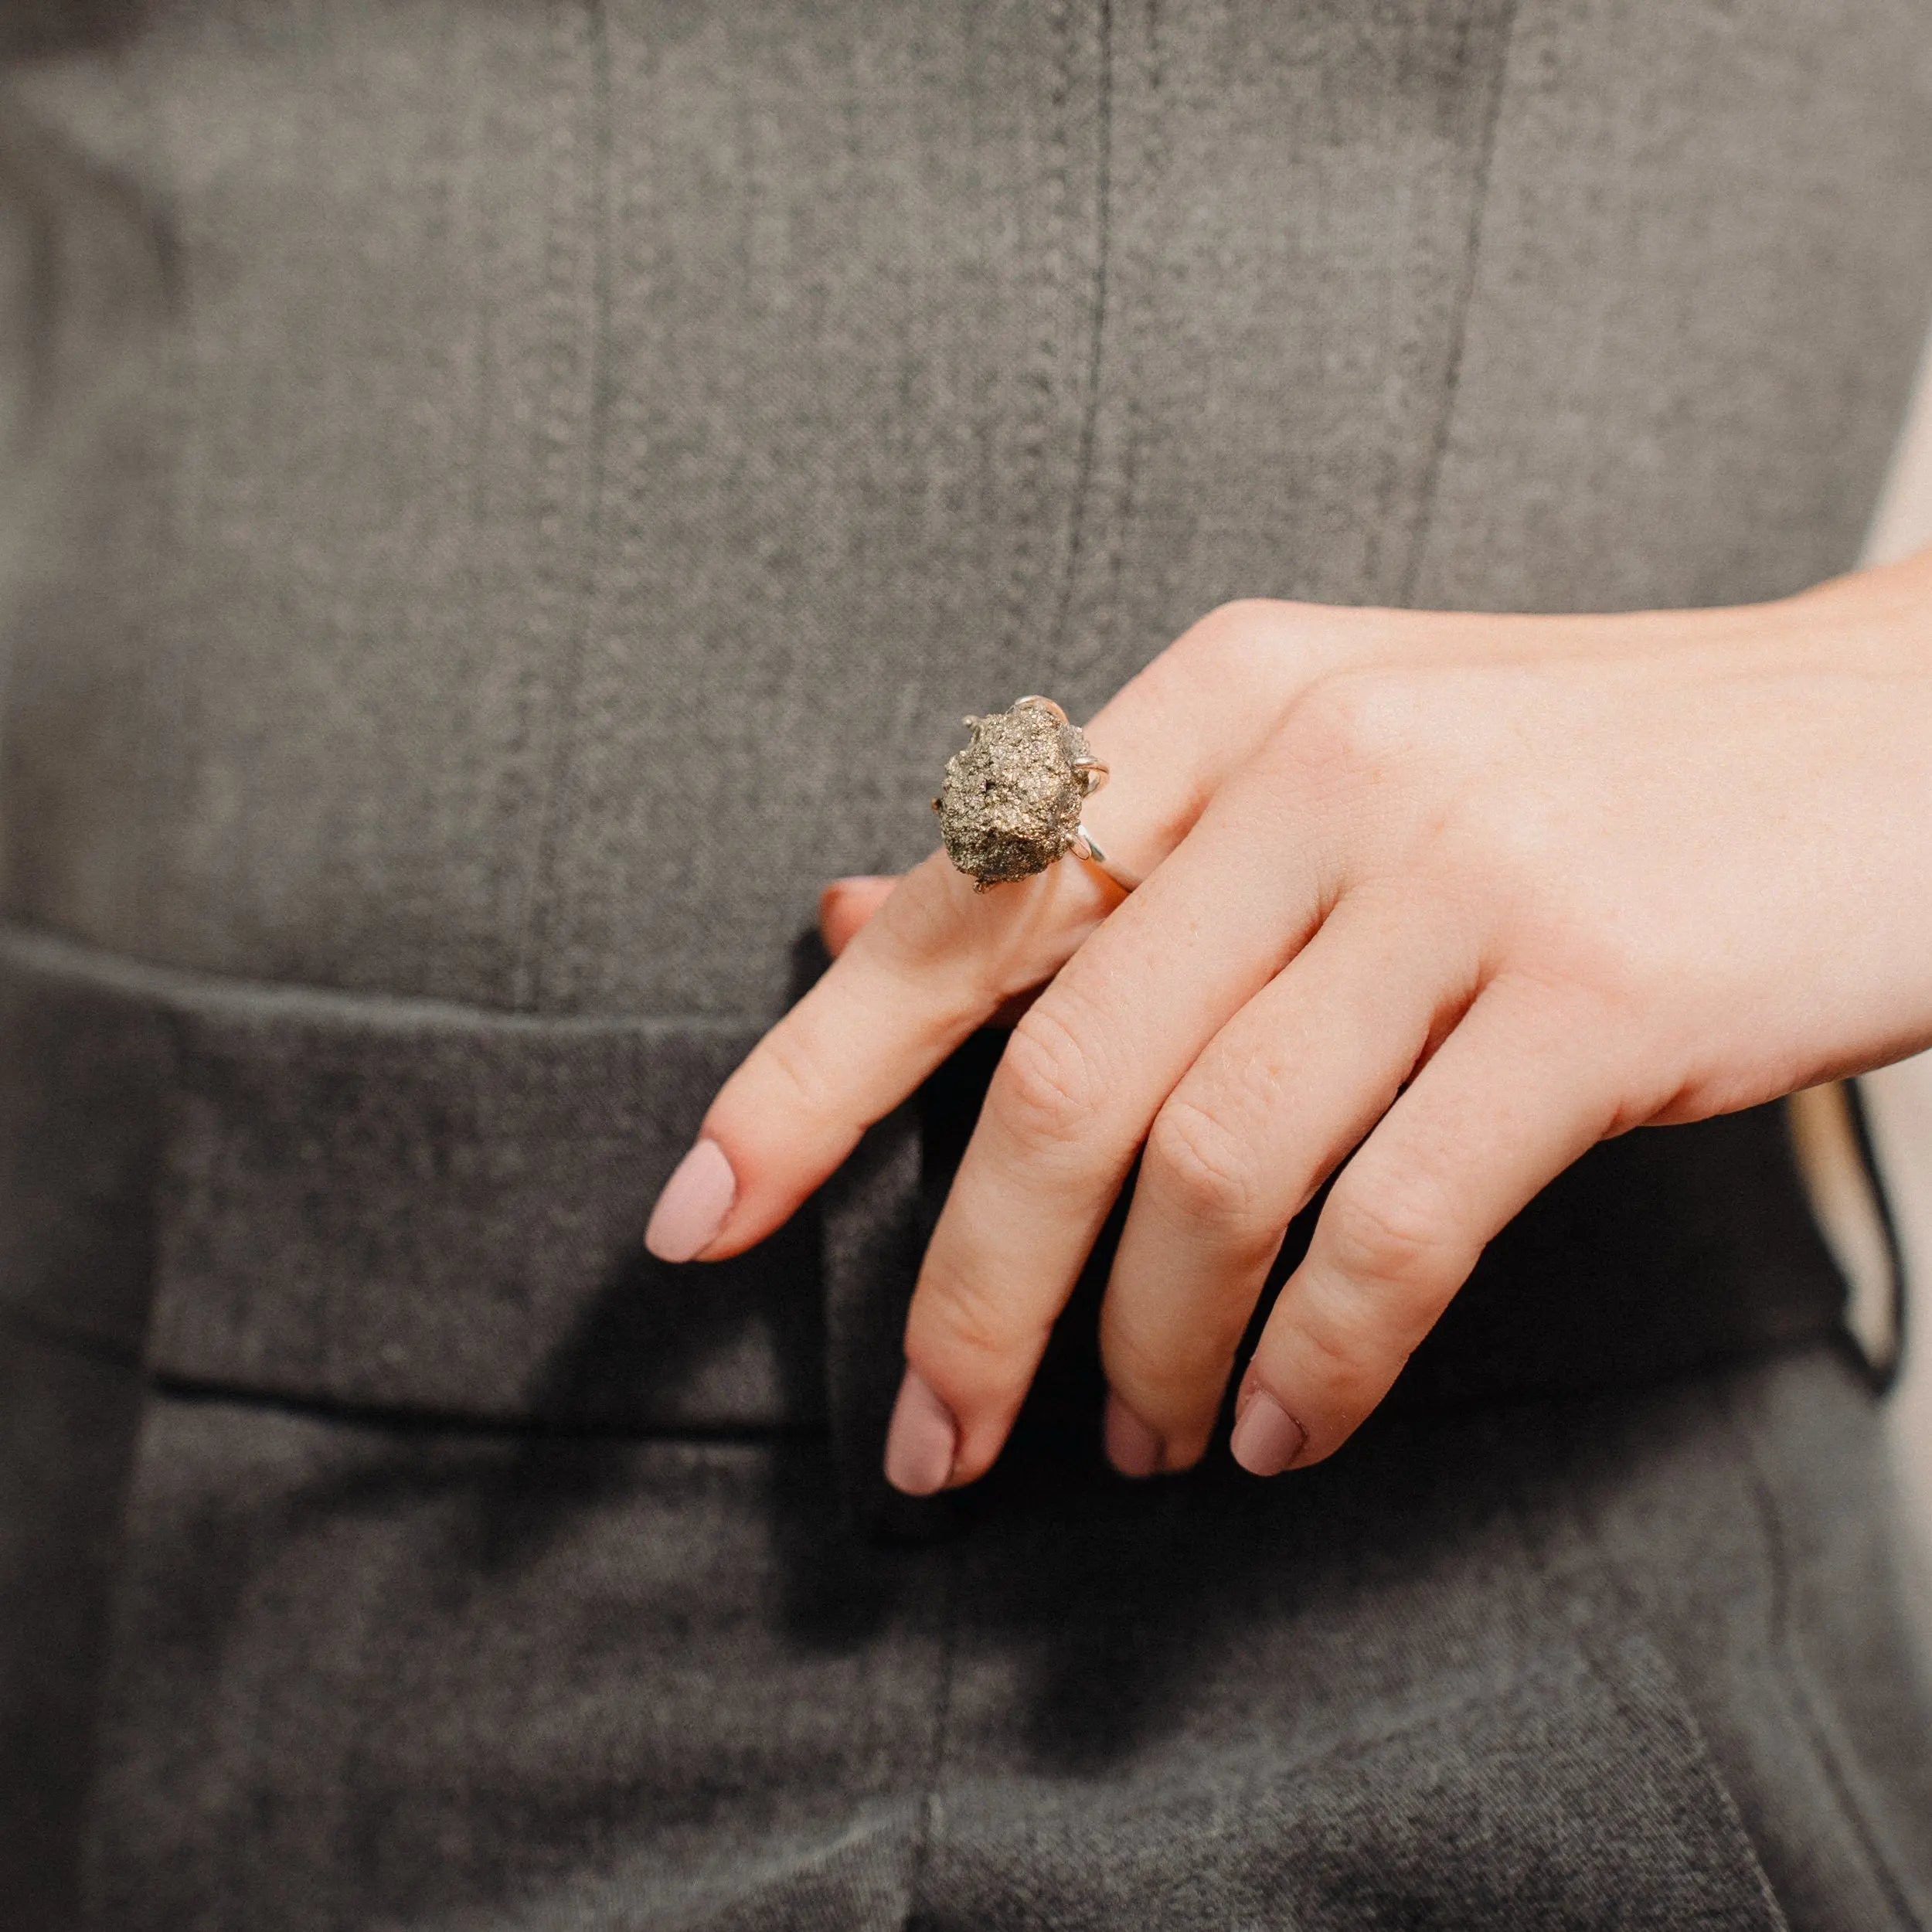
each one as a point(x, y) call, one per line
point(501, 500)
point(449, 1204)
point(1583, 1665)
point(598, 451)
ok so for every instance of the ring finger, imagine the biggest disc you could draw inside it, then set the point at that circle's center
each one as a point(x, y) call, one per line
point(1274, 1103)
point(1083, 1076)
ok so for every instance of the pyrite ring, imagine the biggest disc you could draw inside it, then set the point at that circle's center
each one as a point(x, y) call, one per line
point(1011, 803)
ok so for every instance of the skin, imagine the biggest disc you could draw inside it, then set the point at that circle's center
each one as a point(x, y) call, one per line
point(1440, 900)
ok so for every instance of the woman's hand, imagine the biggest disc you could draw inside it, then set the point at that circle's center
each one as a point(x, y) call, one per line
point(1462, 894)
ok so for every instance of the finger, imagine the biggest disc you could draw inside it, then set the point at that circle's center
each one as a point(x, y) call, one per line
point(1516, 1094)
point(847, 904)
point(911, 983)
point(1071, 1101)
point(937, 959)
point(1275, 1101)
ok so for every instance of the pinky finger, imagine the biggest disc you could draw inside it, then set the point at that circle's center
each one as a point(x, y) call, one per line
point(1502, 1107)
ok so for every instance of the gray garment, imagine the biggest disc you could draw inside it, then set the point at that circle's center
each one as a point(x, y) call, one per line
point(1580, 1667)
point(519, 495)
point(597, 453)
point(476, 1571)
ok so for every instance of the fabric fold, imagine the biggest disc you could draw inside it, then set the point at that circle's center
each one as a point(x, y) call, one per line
point(384, 1204)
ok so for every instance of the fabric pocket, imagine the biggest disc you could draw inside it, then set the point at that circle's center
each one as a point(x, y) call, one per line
point(1577, 1795)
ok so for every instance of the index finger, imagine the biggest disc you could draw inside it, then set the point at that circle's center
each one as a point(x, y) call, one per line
point(938, 959)
point(929, 967)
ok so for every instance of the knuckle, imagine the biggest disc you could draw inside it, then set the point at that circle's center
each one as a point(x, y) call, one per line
point(1197, 1165)
point(1166, 1359)
point(793, 1064)
point(1230, 631)
point(1351, 724)
point(1046, 1091)
point(1386, 1232)
point(966, 1331)
point(1343, 1346)
point(1603, 980)
point(920, 926)
point(1506, 846)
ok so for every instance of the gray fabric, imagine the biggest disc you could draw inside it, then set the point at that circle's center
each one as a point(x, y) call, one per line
point(1681, 216)
point(1596, 1665)
point(1781, 1621)
point(68, 1413)
point(507, 499)
point(393, 1203)
point(411, 1204)
point(600, 452)
point(86, 1080)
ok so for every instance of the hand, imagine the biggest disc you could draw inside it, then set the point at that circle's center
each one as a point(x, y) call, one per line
point(1448, 897)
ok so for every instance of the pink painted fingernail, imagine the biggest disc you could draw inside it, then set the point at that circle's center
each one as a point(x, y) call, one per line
point(1267, 1439)
point(693, 1205)
point(923, 1441)
point(1132, 1447)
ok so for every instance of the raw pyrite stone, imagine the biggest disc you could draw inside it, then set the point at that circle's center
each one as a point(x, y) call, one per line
point(1010, 802)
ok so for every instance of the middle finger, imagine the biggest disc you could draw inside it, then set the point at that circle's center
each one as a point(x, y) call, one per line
point(1087, 1070)
point(1264, 1115)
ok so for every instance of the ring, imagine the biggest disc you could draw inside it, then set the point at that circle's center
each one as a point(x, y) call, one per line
point(1010, 806)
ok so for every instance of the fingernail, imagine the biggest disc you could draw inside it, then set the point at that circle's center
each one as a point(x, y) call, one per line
point(693, 1205)
point(1267, 1439)
point(922, 1439)
point(1132, 1447)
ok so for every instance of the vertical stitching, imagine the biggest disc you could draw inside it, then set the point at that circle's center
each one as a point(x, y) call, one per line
point(1576, 1538)
point(553, 435)
point(1132, 333)
point(564, 608)
point(1703, 1761)
point(927, 1828)
point(1044, 292)
point(1096, 332)
point(1782, 1635)
point(1465, 298)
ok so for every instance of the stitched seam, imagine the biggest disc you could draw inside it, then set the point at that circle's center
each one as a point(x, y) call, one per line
point(1097, 330)
point(927, 1829)
point(555, 599)
point(555, 444)
point(1795, 1680)
point(1465, 299)
point(1132, 333)
point(1703, 1765)
point(198, 992)
point(1045, 286)
point(1607, 1583)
